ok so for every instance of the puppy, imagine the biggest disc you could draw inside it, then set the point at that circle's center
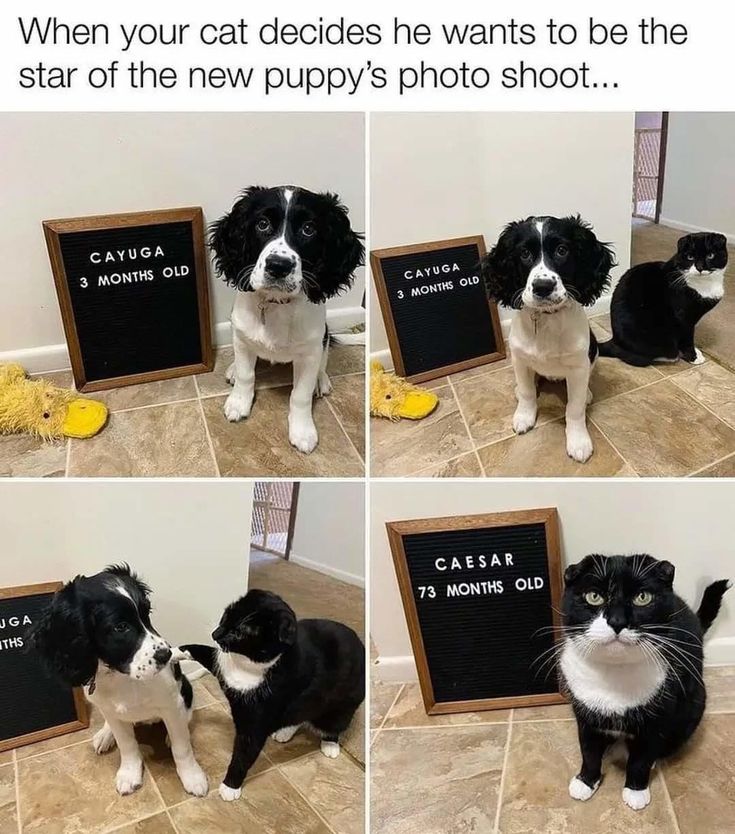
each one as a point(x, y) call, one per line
point(549, 269)
point(279, 673)
point(97, 633)
point(286, 250)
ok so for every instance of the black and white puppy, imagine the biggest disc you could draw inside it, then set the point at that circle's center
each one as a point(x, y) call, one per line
point(97, 633)
point(549, 269)
point(286, 250)
point(279, 673)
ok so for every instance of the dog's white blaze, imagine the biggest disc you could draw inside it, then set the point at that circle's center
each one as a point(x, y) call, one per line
point(142, 664)
point(709, 285)
point(280, 247)
point(241, 673)
point(541, 269)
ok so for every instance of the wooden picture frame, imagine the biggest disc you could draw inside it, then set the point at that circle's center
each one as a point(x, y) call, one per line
point(54, 229)
point(80, 702)
point(376, 258)
point(398, 529)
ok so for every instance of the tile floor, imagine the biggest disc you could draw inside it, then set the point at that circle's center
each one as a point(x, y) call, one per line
point(61, 787)
point(175, 428)
point(506, 772)
point(668, 420)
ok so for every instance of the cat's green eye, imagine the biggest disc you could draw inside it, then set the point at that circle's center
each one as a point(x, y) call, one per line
point(593, 598)
point(642, 598)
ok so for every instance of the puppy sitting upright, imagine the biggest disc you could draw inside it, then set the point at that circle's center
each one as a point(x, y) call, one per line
point(549, 269)
point(278, 674)
point(287, 250)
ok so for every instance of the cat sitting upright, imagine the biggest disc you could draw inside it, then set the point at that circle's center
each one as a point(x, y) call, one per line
point(631, 661)
point(279, 673)
point(656, 306)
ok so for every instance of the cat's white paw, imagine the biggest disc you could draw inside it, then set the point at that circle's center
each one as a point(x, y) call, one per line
point(524, 418)
point(637, 800)
point(579, 790)
point(699, 357)
point(103, 740)
point(284, 734)
point(229, 794)
point(579, 444)
point(330, 749)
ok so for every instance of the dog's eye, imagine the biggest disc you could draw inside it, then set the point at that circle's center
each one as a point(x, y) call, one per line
point(308, 229)
point(263, 225)
point(593, 598)
point(121, 628)
point(562, 250)
point(642, 598)
point(526, 255)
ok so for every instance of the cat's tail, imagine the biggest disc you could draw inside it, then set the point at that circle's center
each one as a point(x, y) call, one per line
point(711, 602)
point(202, 654)
point(610, 348)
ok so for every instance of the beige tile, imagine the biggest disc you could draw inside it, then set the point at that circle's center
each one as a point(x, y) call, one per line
point(160, 824)
point(6, 757)
point(542, 760)
point(601, 327)
point(465, 466)
point(64, 379)
point(722, 469)
point(346, 359)
point(720, 681)
point(488, 403)
point(304, 742)
point(553, 712)
point(661, 431)
point(8, 811)
point(334, 787)
point(269, 805)
point(203, 697)
point(611, 377)
point(161, 441)
point(480, 370)
point(701, 779)
point(382, 696)
point(713, 386)
point(408, 446)
point(149, 393)
point(56, 743)
point(436, 781)
point(353, 739)
point(72, 791)
point(259, 445)
point(214, 382)
point(347, 400)
point(23, 456)
point(210, 683)
point(212, 736)
point(542, 452)
point(409, 711)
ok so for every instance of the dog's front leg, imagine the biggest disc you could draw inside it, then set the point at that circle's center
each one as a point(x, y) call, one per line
point(579, 442)
point(130, 773)
point(301, 429)
point(193, 778)
point(242, 373)
point(524, 418)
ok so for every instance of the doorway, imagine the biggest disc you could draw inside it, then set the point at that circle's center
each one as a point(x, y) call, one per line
point(649, 162)
point(274, 517)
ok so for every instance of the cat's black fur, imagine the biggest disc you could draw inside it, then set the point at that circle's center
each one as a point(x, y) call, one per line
point(660, 726)
point(318, 679)
point(654, 310)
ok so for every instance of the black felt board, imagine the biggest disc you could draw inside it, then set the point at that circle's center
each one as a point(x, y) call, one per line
point(30, 699)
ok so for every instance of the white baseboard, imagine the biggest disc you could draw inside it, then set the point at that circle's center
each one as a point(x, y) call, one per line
point(328, 570)
point(48, 358)
point(689, 227)
point(720, 652)
point(395, 669)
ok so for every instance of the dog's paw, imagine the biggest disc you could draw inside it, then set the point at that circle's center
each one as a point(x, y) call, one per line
point(303, 436)
point(237, 407)
point(129, 778)
point(590, 397)
point(284, 734)
point(103, 740)
point(230, 374)
point(637, 800)
point(330, 749)
point(579, 445)
point(194, 780)
point(580, 790)
point(229, 794)
point(524, 419)
point(323, 386)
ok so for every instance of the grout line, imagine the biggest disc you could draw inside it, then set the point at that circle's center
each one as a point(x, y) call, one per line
point(669, 803)
point(153, 405)
point(17, 792)
point(466, 425)
point(54, 750)
point(160, 795)
point(702, 405)
point(709, 465)
point(390, 708)
point(309, 805)
point(344, 432)
point(501, 788)
point(206, 430)
point(613, 446)
point(474, 724)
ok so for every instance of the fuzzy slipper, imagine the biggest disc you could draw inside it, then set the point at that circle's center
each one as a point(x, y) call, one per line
point(396, 399)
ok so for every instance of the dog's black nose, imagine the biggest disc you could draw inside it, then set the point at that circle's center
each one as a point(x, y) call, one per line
point(543, 287)
point(277, 266)
point(162, 655)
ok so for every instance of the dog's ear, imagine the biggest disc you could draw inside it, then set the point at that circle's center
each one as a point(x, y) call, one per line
point(500, 269)
point(124, 570)
point(229, 243)
point(594, 260)
point(61, 637)
point(287, 628)
point(343, 252)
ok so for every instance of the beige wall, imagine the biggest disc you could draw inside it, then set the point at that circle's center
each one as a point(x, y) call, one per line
point(69, 164)
point(189, 540)
point(699, 181)
point(441, 175)
point(688, 524)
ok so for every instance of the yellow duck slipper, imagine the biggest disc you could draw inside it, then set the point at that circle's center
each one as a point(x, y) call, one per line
point(36, 406)
point(396, 399)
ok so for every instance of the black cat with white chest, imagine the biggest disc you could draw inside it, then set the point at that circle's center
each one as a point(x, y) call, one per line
point(279, 673)
point(631, 663)
point(656, 306)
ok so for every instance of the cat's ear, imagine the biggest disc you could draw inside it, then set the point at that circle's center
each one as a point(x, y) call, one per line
point(665, 571)
point(573, 571)
point(287, 628)
point(721, 240)
point(682, 243)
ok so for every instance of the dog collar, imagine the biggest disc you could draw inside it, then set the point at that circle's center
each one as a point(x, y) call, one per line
point(264, 303)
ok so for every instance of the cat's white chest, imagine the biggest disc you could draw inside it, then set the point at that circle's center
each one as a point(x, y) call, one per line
point(241, 673)
point(610, 688)
point(710, 286)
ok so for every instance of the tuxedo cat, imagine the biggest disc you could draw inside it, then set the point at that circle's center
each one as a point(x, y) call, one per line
point(279, 673)
point(631, 663)
point(656, 306)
